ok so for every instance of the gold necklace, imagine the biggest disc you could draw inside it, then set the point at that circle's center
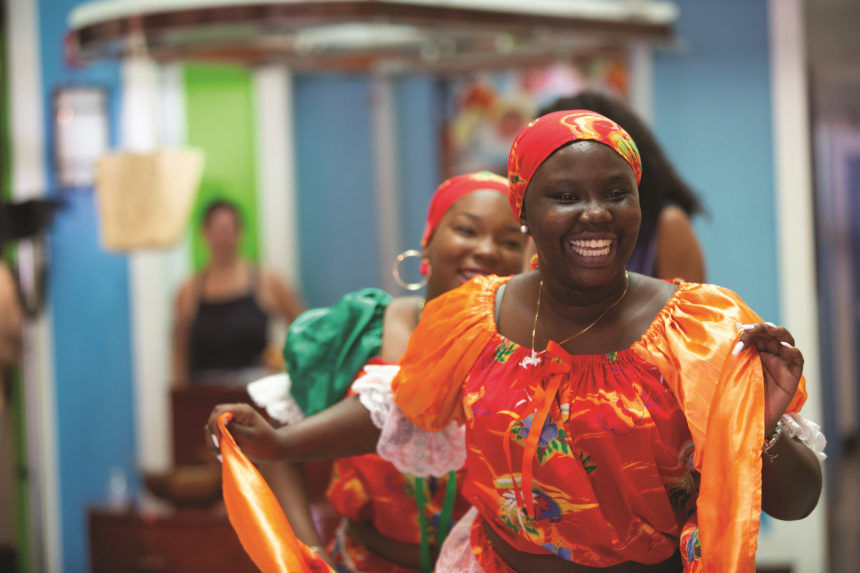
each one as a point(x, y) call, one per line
point(584, 330)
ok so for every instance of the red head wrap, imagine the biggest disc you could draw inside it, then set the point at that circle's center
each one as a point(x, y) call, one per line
point(455, 188)
point(540, 138)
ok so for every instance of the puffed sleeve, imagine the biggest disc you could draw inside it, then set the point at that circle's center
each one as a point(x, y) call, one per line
point(326, 347)
point(454, 329)
point(722, 396)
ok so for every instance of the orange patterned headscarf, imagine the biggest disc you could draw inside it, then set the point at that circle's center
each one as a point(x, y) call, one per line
point(540, 138)
point(455, 188)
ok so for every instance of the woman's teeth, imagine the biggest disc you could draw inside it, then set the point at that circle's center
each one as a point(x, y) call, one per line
point(472, 273)
point(592, 248)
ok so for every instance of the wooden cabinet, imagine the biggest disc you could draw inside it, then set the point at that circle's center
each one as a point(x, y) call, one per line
point(179, 541)
point(189, 411)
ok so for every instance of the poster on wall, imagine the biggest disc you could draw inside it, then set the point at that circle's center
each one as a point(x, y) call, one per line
point(80, 133)
point(486, 110)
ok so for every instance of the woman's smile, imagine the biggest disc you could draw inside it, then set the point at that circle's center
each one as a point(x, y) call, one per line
point(592, 248)
point(468, 273)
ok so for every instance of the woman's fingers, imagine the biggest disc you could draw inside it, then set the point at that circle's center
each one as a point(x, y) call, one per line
point(243, 415)
point(765, 336)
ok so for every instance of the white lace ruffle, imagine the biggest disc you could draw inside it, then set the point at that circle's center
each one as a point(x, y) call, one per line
point(415, 451)
point(374, 391)
point(273, 394)
point(456, 554)
point(411, 449)
point(807, 432)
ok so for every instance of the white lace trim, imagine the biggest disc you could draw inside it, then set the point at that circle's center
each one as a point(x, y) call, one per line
point(456, 554)
point(273, 394)
point(415, 451)
point(806, 431)
point(374, 391)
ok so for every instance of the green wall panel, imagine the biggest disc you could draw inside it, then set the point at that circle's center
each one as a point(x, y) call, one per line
point(220, 116)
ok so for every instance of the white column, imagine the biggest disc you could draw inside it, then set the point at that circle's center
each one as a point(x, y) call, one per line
point(801, 543)
point(152, 110)
point(29, 180)
point(641, 80)
point(277, 206)
point(385, 171)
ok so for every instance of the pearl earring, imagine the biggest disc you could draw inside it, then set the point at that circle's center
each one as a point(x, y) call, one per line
point(524, 229)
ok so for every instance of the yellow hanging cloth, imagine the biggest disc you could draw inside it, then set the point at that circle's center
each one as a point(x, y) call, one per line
point(257, 517)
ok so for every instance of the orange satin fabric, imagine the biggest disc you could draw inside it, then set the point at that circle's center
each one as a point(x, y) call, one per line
point(689, 342)
point(257, 517)
point(723, 399)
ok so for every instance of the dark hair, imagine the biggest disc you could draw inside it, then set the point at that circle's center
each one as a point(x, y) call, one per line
point(660, 182)
point(218, 204)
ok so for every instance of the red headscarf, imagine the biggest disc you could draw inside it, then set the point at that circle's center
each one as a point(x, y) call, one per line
point(455, 188)
point(540, 138)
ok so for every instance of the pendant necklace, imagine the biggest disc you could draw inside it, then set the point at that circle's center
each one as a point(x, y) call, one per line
point(534, 359)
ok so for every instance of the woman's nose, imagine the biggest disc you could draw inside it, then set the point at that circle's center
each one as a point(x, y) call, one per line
point(595, 212)
point(487, 247)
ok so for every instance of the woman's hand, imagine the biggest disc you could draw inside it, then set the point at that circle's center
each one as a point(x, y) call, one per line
point(782, 366)
point(252, 432)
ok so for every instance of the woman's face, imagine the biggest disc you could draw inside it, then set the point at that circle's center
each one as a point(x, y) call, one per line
point(478, 235)
point(582, 210)
point(222, 232)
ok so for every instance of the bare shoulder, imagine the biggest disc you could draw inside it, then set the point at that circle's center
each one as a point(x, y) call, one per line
point(673, 215)
point(400, 319)
point(517, 307)
point(186, 299)
point(8, 291)
point(403, 309)
point(270, 280)
point(651, 294)
point(679, 254)
point(520, 286)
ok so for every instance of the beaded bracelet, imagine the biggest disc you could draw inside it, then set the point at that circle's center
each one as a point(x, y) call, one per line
point(768, 444)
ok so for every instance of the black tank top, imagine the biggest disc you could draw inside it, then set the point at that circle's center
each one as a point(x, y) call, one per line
point(228, 334)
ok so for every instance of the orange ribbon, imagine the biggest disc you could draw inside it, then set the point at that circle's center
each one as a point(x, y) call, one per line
point(256, 516)
point(555, 366)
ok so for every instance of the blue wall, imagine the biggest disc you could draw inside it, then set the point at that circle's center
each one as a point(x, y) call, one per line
point(335, 173)
point(334, 164)
point(713, 115)
point(419, 121)
point(90, 312)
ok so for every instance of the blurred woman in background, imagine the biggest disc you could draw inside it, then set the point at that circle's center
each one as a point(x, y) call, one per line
point(223, 312)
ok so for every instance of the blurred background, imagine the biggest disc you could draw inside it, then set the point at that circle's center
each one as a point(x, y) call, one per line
point(329, 125)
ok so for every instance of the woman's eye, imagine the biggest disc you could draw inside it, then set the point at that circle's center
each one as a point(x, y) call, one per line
point(468, 231)
point(566, 197)
point(616, 195)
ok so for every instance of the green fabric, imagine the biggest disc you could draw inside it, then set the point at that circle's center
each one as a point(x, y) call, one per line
point(447, 508)
point(424, 548)
point(326, 347)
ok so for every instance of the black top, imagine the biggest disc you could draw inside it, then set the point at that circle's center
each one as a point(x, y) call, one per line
point(228, 334)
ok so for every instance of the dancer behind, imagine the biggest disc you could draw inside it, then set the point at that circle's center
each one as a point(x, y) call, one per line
point(469, 232)
point(667, 247)
point(223, 312)
point(612, 420)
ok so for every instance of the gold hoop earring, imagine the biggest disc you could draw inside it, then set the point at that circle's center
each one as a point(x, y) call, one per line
point(396, 270)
